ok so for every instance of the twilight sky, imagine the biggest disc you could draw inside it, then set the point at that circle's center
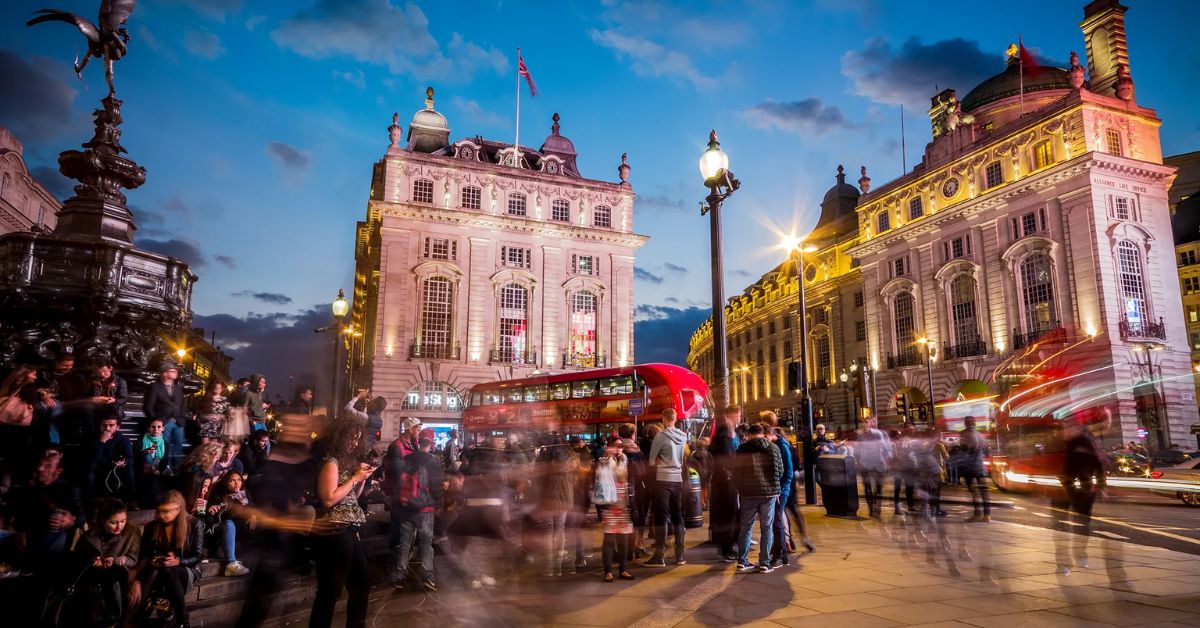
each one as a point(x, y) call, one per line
point(258, 121)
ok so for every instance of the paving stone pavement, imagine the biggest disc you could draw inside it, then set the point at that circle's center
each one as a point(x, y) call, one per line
point(863, 574)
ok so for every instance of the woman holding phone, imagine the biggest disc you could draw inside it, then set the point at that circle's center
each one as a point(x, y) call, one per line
point(341, 562)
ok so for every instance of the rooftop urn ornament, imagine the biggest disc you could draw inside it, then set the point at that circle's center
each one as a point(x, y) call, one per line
point(1124, 86)
point(864, 182)
point(623, 169)
point(554, 127)
point(108, 41)
point(1076, 74)
point(429, 98)
point(395, 132)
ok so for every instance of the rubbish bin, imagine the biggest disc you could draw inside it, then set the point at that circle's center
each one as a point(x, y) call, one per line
point(837, 478)
point(693, 507)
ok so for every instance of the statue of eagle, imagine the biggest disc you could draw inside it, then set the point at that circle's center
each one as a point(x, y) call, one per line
point(108, 41)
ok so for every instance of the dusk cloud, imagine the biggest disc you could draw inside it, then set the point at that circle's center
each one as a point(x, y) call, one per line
point(49, 176)
point(651, 59)
point(353, 77)
point(35, 99)
point(678, 270)
point(280, 345)
point(202, 43)
point(288, 156)
point(661, 334)
point(266, 297)
point(229, 263)
point(808, 116)
point(641, 274)
point(216, 9)
point(473, 110)
point(659, 201)
point(914, 72)
point(177, 248)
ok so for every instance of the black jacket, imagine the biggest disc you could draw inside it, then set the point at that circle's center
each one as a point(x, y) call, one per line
point(159, 404)
point(759, 466)
point(1084, 461)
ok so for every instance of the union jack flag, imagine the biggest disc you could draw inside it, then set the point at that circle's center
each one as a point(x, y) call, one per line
point(524, 72)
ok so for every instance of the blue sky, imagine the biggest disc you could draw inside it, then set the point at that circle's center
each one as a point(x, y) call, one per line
point(259, 122)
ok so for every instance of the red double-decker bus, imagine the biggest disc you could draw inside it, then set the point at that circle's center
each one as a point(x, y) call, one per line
point(588, 403)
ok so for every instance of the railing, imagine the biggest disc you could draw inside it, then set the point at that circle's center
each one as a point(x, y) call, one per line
point(583, 360)
point(905, 358)
point(418, 351)
point(964, 349)
point(1143, 330)
point(511, 356)
point(1055, 334)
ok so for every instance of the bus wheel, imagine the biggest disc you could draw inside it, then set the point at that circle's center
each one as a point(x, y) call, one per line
point(1189, 498)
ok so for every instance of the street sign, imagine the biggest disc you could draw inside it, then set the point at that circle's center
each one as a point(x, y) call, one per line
point(636, 407)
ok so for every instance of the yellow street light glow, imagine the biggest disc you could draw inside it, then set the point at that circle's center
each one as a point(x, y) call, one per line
point(922, 340)
point(181, 352)
point(790, 242)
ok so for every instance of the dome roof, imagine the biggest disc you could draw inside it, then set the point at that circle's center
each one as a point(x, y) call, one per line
point(557, 144)
point(841, 190)
point(428, 130)
point(1008, 83)
point(838, 208)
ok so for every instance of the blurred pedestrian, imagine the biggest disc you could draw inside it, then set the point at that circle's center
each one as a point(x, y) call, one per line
point(701, 460)
point(418, 494)
point(618, 501)
point(974, 449)
point(1083, 479)
point(873, 453)
point(723, 498)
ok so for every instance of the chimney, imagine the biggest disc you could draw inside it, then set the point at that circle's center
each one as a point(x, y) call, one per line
point(1103, 28)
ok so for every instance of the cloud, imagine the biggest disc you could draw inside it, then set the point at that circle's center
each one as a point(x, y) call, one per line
point(661, 333)
point(228, 262)
point(216, 9)
point(144, 35)
point(202, 43)
point(288, 156)
point(641, 274)
point(354, 77)
point(266, 297)
point(651, 59)
point(741, 272)
point(49, 176)
point(672, 268)
point(808, 116)
point(659, 201)
point(176, 247)
point(254, 20)
point(379, 32)
point(912, 73)
point(280, 345)
point(476, 112)
point(35, 99)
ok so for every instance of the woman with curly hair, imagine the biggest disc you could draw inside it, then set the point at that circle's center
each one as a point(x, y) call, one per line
point(341, 562)
point(198, 473)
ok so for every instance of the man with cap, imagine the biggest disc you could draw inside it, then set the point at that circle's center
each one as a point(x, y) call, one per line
point(164, 401)
point(394, 462)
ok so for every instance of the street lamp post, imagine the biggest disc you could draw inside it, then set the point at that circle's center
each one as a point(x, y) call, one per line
point(340, 307)
point(930, 357)
point(714, 167)
point(810, 463)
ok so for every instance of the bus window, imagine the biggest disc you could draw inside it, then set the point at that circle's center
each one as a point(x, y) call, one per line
point(583, 389)
point(491, 398)
point(539, 392)
point(616, 386)
point(561, 390)
point(513, 395)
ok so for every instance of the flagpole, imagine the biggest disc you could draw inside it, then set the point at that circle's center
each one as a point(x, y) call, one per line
point(517, 139)
point(903, 150)
point(1021, 70)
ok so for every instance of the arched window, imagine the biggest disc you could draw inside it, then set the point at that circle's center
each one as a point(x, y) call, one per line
point(437, 307)
point(422, 191)
point(581, 341)
point(560, 210)
point(1133, 289)
point(602, 216)
point(513, 335)
point(516, 204)
point(1037, 293)
point(471, 197)
point(962, 310)
point(433, 395)
point(904, 323)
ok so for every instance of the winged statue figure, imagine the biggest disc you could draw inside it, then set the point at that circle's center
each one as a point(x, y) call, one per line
point(107, 41)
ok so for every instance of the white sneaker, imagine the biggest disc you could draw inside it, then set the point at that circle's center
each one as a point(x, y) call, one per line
point(488, 581)
point(236, 568)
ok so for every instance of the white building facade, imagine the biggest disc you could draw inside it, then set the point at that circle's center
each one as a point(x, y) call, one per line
point(477, 262)
point(25, 203)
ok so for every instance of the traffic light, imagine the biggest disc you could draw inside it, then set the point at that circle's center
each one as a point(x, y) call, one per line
point(795, 376)
point(902, 406)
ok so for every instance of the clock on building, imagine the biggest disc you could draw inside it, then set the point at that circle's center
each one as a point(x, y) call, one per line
point(950, 187)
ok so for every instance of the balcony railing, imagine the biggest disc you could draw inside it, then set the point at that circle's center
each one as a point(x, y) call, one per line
point(1055, 334)
point(964, 349)
point(512, 356)
point(905, 358)
point(583, 360)
point(418, 351)
point(1143, 330)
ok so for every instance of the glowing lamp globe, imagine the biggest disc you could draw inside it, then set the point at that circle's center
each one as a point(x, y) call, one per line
point(713, 160)
point(340, 305)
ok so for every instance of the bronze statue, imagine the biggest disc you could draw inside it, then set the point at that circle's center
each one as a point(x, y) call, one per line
point(108, 42)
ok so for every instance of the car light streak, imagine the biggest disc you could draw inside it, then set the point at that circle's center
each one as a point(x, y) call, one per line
point(1113, 482)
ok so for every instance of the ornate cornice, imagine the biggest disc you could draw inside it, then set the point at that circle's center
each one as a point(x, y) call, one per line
point(506, 224)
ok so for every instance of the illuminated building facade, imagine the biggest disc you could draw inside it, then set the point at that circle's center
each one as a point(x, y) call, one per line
point(1185, 222)
point(25, 204)
point(477, 262)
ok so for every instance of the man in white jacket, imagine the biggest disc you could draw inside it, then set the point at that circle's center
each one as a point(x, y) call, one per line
point(666, 499)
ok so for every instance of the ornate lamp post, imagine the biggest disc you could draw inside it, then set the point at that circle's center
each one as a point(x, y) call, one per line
point(792, 243)
point(714, 168)
point(930, 358)
point(340, 307)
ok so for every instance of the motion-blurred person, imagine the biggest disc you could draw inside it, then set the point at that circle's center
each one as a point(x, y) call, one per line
point(902, 466)
point(723, 497)
point(782, 529)
point(701, 460)
point(974, 448)
point(666, 456)
point(418, 493)
point(452, 452)
point(1084, 479)
point(758, 472)
point(556, 479)
point(641, 477)
point(873, 453)
point(613, 467)
point(480, 531)
point(577, 517)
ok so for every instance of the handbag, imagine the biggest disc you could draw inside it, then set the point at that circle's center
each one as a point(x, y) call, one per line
point(14, 411)
point(604, 489)
point(237, 423)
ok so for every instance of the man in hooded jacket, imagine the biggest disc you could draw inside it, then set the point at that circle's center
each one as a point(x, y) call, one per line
point(666, 454)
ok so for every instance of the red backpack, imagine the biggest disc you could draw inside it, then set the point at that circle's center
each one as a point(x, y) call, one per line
point(412, 486)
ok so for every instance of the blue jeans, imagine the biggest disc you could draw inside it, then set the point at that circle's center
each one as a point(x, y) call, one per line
point(229, 539)
point(764, 509)
point(173, 436)
point(418, 527)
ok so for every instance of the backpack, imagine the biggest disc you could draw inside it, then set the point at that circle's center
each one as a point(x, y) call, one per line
point(412, 486)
